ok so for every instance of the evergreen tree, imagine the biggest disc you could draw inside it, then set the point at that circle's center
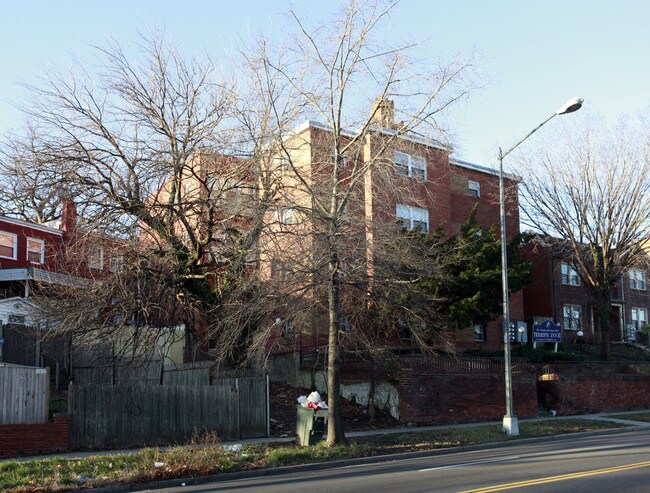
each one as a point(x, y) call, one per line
point(470, 287)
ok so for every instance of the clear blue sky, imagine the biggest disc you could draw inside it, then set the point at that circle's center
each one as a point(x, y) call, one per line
point(532, 56)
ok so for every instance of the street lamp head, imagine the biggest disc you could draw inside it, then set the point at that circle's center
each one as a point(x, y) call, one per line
point(573, 104)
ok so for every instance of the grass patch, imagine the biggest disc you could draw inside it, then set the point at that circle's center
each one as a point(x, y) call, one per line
point(632, 417)
point(206, 456)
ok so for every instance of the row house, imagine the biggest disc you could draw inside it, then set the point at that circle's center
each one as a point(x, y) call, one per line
point(36, 258)
point(37, 261)
point(557, 293)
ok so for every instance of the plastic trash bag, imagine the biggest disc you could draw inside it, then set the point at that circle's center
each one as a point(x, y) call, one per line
point(314, 397)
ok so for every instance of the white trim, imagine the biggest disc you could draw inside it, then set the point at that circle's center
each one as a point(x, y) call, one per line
point(412, 218)
point(571, 274)
point(417, 139)
point(91, 261)
point(41, 260)
point(482, 169)
point(573, 309)
point(410, 137)
point(27, 224)
point(15, 247)
point(474, 186)
point(414, 163)
point(635, 281)
point(638, 310)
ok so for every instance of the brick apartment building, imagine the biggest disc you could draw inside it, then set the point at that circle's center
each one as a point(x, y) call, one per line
point(426, 188)
point(556, 293)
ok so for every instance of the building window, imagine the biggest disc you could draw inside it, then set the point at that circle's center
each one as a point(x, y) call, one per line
point(8, 244)
point(572, 315)
point(639, 317)
point(96, 259)
point(413, 166)
point(474, 188)
point(116, 263)
point(35, 251)
point(282, 164)
point(344, 159)
point(413, 217)
point(17, 319)
point(285, 215)
point(637, 279)
point(479, 333)
point(288, 328)
point(570, 275)
point(344, 323)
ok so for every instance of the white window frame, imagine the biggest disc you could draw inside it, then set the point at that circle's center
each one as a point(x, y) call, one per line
point(288, 329)
point(474, 188)
point(637, 279)
point(344, 159)
point(40, 251)
point(282, 164)
point(116, 263)
point(410, 165)
point(479, 332)
point(639, 317)
point(286, 215)
point(571, 317)
point(14, 247)
point(412, 217)
point(92, 262)
point(17, 319)
point(569, 275)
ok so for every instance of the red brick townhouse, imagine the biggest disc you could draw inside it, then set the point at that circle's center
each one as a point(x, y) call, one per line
point(34, 256)
point(556, 293)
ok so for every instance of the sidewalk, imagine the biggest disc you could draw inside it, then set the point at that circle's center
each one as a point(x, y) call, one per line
point(387, 431)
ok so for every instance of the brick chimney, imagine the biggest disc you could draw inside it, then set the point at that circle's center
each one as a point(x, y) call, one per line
point(383, 112)
point(69, 216)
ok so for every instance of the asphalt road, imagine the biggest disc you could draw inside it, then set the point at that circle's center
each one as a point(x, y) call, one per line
point(618, 463)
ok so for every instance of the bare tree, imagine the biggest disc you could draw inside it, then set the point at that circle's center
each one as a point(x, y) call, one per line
point(32, 190)
point(324, 239)
point(590, 190)
point(213, 179)
point(158, 152)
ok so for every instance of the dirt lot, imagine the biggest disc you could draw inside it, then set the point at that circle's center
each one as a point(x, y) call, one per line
point(283, 413)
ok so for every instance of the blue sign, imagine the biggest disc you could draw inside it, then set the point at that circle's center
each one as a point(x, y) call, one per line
point(547, 331)
point(2, 341)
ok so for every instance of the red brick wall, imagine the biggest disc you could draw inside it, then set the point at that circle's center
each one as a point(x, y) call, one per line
point(579, 394)
point(433, 399)
point(33, 439)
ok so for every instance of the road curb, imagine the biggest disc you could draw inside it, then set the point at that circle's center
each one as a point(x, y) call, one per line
point(316, 466)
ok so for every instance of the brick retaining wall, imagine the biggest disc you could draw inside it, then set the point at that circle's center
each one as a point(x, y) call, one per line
point(35, 438)
point(426, 398)
point(579, 394)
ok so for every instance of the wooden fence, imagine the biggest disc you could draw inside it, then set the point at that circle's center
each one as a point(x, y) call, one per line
point(30, 346)
point(137, 414)
point(24, 394)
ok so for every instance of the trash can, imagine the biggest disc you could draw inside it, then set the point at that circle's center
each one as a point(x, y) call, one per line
point(310, 425)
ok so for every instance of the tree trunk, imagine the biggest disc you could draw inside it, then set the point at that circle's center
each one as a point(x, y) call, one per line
point(335, 434)
point(371, 392)
point(604, 311)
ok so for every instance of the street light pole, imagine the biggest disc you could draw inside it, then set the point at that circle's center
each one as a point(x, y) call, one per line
point(510, 423)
